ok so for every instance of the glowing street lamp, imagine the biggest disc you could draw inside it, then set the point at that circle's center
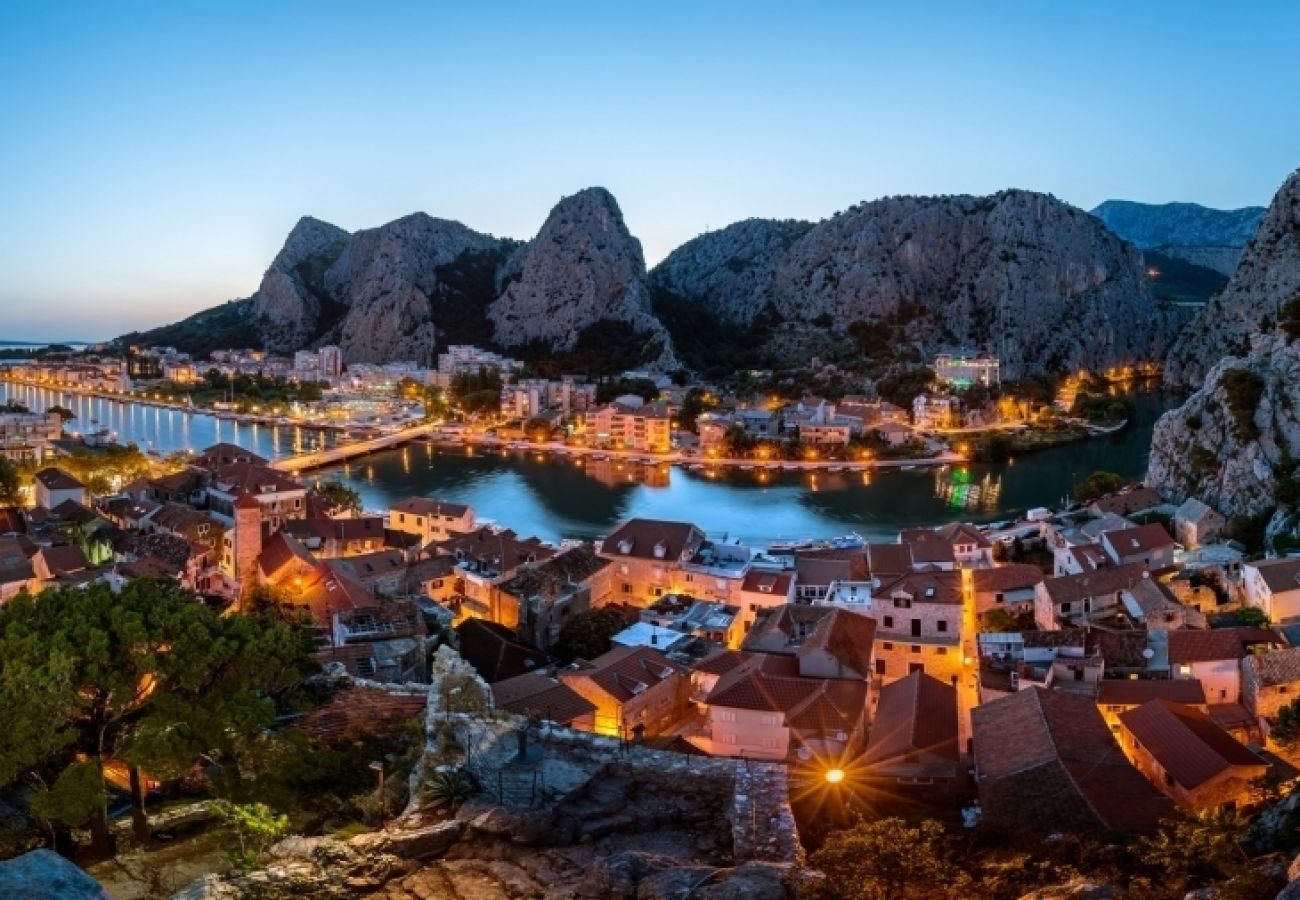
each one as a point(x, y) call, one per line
point(834, 776)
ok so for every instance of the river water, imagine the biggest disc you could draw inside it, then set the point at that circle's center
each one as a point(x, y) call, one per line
point(555, 497)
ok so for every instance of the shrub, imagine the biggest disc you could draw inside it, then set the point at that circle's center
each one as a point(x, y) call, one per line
point(1243, 390)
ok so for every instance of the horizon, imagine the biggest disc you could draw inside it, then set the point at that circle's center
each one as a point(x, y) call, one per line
point(167, 152)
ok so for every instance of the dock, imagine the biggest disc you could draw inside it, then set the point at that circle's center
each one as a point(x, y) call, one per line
point(319, 459)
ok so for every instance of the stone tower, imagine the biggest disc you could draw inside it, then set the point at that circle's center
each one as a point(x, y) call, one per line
point(247, 541)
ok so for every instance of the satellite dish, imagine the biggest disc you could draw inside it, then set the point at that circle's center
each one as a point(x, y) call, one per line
point(1148, 653)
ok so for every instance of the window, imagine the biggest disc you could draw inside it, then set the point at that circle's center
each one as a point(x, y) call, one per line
point(942, 625)
point(915, 667)
point(1065, 608)
point(887, 645)
point(657, 592)
point(916, 648)
point(769, 743)
point(940, 651)
point(889, 621)
point(880, 667)
point(1185, 670)
point(728, 738)
point(999, 598)
point(770, 719)
point(725, 715)
point(626, 588)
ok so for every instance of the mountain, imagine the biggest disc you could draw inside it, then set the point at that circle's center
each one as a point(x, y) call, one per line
point(584, 267)
point(1040, 283)
point(1267, 275)
point(1233, 441)
point(1212, 238)
point(873, 289)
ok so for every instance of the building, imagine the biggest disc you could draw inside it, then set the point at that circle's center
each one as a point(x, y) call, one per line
point(330, 362)
point(1196, 524)
point(934, 411)
point(430, 519)
point(646, 428)
point(830, 642)
point(538, 600)
point(543, 695)
point(278, 496)
point(29, 437)
point(1270, 680)
point(636, 691)
point(1214, 657)
point(1010, 587)
point(1149, 545)
point(1188, 757)
point(1119, 695)
point(1273, 585)
point(955, 545)
point(482, 560)
point(333, 538)
point(763, 589)
point(962, 370)
point(1045, 762)
point(914, 741)
point(1126, 502)
point(54, 486)
point(1091, 594)
point(649, 558)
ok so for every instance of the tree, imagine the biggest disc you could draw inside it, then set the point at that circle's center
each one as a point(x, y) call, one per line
point(1286, 732)
point(254, 826)
point(10, 482)
point(62, 412)
point(1250, 617)
point(1098, 484)
point(339, 496)
point(1198, 849)
point(887, 859)
point(150, 677)
point(538, 429)
point(587, 635)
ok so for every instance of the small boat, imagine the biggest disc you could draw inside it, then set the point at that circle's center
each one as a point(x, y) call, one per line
point(907, 468)
point(746, 468)
point(788, 546)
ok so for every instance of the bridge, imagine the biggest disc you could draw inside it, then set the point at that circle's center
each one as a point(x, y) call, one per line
point(318, 459)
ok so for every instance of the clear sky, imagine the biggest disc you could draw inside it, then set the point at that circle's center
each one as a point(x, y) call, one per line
point(153, 155)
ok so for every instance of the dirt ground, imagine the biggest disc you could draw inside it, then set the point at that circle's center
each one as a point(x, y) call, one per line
point(162, 871)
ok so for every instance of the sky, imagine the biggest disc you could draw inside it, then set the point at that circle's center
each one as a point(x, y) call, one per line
point(153, 155)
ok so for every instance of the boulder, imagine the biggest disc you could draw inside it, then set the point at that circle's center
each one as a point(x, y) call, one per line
point(46, 875)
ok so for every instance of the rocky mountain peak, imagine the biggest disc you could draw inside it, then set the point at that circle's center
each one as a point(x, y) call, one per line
point(1267, 275)
point(584, 267)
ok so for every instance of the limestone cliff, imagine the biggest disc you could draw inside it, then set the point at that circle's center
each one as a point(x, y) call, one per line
point(1267, 275)
point(1197, 234)
point(388, 278)
point(1038, 282)
point(584, 267)
point(288, 301)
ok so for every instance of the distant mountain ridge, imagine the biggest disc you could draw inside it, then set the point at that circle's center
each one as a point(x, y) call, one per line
point(1207, 237)
point(879, 286)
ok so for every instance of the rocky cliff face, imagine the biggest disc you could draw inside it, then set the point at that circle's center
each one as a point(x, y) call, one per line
point(583, 267)
point(1206, 237)
point(288, 301)
point(1267, 275)
point(1043, 285)
point(388, 279)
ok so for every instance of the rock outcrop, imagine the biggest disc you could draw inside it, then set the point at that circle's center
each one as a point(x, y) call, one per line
point(1267, 275)
point(1224, 444)
point(1043, 285)
point(288, 301)
point(1213, 238)
point(584, 267)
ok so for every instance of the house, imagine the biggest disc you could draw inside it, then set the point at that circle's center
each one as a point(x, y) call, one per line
point(1273, 585)
point(538, 600)
point(1009, 587)
point(29, 437)
point(829, 642)
point(329, 538)
point(483, 559)
point(278, 496)
point(1188, 757)
point(770, 706)
point(544, 695)
point(17, 572)
point(815, 571)
point(382, 572)
point(186, 522)
point(1270, 680)
point(54, 486)
point(895, 434)
point(1148, 544)
point(1045, 762)
point(430, 519)
point(1196, 524)
point(931, 411)
point(1126, 502)
point(914, 736)
point(494, 651)
point(619, 425)
point(708, 620)
point(648, 557)
point(383, 642)
point(1094, 593)
point(1119, 695)
point(57, 563)
point(956, 545)
point(226, 454)
point(1213, 657)
point(635, 691)
point(763, 589)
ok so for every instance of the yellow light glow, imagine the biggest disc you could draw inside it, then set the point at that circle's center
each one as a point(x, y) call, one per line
point(834, 776)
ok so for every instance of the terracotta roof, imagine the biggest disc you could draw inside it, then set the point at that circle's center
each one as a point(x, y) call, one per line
point(55, 479)
point(812, 570)
point(186, 481)
point(916, 714)
point(1012, 577)
point(1130, 501)
point(625, 672)
point(652, 539)
point(885, 560)
point(355, 529)
point(1120, 649)
point(65, 559)
point(1047, 762)
point(1141, 539)
point(253, 478)
point(721, 662)
point(224, 454)
point(370, 565)
point(1188, 646)
point(762, 581)
point(1106, 580)
point(1280, 575)
point(328, 592)
point(16, 552)
point(1135, 692)
point(845, 635)
point(772, 683)
point(493, 545)
point(358, 712)
point(279, 553)
point(925, 587)
point(543, 694)
point(1275, 666)
point(1190, 747)
point(178, 517)
point(11, 520)
point(495, 652)
point(555, 576)
point(72, 511)
point(428, 506)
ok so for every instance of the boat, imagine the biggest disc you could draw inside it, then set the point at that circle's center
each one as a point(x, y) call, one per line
point(850, 541)
point(789, 546)
point(907, 468)
point(746, 468)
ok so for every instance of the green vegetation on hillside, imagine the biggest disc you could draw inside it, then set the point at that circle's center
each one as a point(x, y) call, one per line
point(219, 328)
point(1178, 281)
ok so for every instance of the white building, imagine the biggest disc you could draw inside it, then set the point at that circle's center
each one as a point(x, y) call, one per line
point(963, 369)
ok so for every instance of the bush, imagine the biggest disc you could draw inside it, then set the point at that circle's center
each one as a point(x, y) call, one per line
point(1098, 484)
point(1243, 389)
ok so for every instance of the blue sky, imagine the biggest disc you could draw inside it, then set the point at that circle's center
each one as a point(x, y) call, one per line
point(154, 154)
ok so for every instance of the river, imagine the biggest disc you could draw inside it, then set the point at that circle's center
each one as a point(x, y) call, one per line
point(555, 497)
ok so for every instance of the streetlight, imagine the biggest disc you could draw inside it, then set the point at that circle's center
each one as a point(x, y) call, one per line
point(378, 767)
point(834, 776)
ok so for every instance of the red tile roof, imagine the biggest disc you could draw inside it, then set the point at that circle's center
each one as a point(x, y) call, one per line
point(925, 587)
point(762, 581)
point(1280, 575)
point(625, 672)
point(652, 539)
point(543, 694)
point(1106, 580)
point(1046, 761)
point(721, 662)
point(916, 714)
point(1012, 577)
point(1188, 646)
point(55, 479)
point(1135, 692)
point(1190, 747)
point(845, 635)
point(428, 506)
point(1130, 501)
point(357, 713)
point(1141, 539)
